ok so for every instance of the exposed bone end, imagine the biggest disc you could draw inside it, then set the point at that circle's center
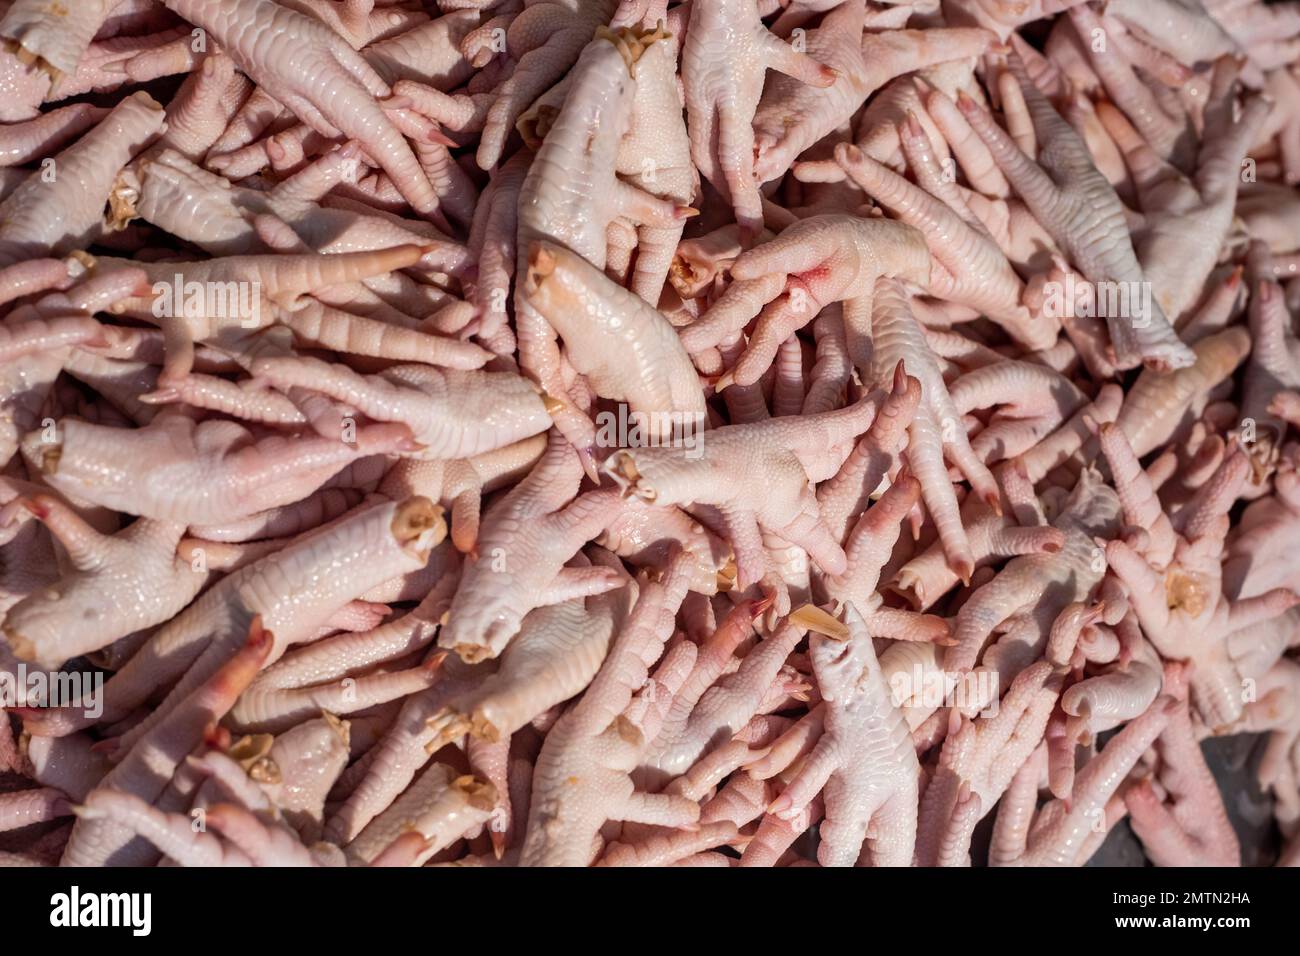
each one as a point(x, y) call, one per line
point(79, 262)
point(482, 726)
point(342, 728)
point(23, 647)
point(727, 574)
point(122, 201)
point(50, 459)
point(812, 618)
point(479, 794)
point(685, 276)
point(265, 770)
point(31, 58)
point(418, 525)
point(536, 123)
point(632, 42)
point(628, 732)
point(251, 752)
point(541, 264)
point(473, 653)
point(447, 725)
point(1263, 453)
point(1186, 592)
point(621, 467)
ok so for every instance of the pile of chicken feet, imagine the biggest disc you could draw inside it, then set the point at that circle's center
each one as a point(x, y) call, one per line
point(568, 432)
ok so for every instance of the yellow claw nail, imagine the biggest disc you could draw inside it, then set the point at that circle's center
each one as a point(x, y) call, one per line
point(812, 618)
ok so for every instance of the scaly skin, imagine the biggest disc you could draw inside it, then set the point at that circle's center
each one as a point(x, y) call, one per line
point(1066, 832)
point(544, 41)
point(23, 808)
point(523, 546)
point(449, 413)
point(978, 761)
point(1184, 823)
point(202, 207)
point(879, 126)
point(645, 535)
point(570, 197)
point(1158, 407)
point(145, 771)
point(656, 156)
point(925, 578)
point(1077, 206)
point(286, 588)
point(1178, 209)
point(864, 758)
point(244, 839)
point(1266, 35)
point(708, 705)
point(868, 548)
point(1273, 368)
point(1181, 605)
point(296, 774)
point(275, 710)
point(1003, 18)
point(651, 671)
point(459, 485)
point(625, 347)
point(792, 115)
point(201, 473)
point(1033, 588)
point(1255, 558)
point(1274, 711)
point(1031, 401)
point(874, 457)
point(204, 106)
point(37, 218)
point(783, 454)
point(41, 335)
point(338, 656)
point(118, 584)
point(22, 143)
point(967, 267)
point(937, 431)
point(437, 807)
point(52, 34)
point(555, 655)
point(492, 239)
point(247, 283)
point(310, 69)
point(398, 756)
point(105, 66)
point(1137, 494)
point(428, 52)
point(1116, 692)
point(811, 264)
point(582, 777)
point(1180, 29)
point(727, 54)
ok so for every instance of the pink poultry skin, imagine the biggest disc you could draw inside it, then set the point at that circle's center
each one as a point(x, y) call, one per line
point(801, 442)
